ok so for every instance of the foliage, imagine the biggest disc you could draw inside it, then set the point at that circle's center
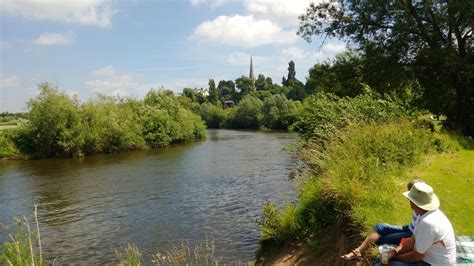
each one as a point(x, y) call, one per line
point(194, 96)
point(54, 127)
point(213, 92)
point(7, 147)
point(430, 40)
point(358, 175)
point(129, 256)
point(244, 86)
point(109, 127)
point(278, 112)
point(323, 115)
point(25, 246)
point(59, 126)
point(213, 115)
point(227, 90)
point(186, 254)
point(342, 76)
point(247, 114)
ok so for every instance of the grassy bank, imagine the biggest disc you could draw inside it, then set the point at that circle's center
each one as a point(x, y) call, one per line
point(361, 163)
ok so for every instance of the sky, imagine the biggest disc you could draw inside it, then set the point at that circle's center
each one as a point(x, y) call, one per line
point(127, 47)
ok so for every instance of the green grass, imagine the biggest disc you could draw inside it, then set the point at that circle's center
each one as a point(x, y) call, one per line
point(3, 127)
point(452, 177)
point(359, 179)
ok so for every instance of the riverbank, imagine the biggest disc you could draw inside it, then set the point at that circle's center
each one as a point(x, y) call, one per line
point(451, 175)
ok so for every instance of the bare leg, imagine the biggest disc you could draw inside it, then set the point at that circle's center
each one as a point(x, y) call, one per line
point(371, 238)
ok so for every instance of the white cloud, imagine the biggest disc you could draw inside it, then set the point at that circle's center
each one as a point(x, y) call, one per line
point(329, 50)
point(213, 3)
point(110, 82)
point(106, 71)
point(243, 31)
point(334, 47)
point(294, 52)
point(87, 12)
point(238, 59)
point(9, 82)
point(284, 11)
point(51, 38)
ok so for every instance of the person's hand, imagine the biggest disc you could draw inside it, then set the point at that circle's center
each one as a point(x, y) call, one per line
point(392, 254)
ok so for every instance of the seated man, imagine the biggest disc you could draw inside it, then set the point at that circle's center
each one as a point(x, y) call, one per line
point(433, 242)
point(385, 234)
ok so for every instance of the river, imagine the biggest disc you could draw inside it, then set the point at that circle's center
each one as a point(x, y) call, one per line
point(214, 189)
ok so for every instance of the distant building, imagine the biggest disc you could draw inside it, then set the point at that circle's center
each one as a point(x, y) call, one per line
point(251, 75)
point(228, 104)
point(202, 91)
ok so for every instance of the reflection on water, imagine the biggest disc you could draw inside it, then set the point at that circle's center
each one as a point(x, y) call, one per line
point(90, 207)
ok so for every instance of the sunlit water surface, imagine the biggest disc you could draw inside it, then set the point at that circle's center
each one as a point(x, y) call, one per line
point(214, 189)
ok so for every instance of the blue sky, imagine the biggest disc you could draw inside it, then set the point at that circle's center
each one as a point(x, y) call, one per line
point(127, 47)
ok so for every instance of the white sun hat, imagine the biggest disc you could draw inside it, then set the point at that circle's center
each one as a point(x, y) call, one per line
point(423, 196)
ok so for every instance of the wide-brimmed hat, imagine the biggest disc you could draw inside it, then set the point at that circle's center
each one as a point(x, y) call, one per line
point(422, 195)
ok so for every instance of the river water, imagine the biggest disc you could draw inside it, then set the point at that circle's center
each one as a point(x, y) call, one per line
point(214, 189)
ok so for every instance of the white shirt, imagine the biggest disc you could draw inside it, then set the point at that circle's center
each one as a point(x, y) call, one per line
point(434, 237)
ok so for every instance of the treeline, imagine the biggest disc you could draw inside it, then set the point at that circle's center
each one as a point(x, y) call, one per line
point(60, 126)
point(250, 104)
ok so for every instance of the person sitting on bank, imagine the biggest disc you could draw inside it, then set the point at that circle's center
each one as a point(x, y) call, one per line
point(433, 242)
point(385, 233)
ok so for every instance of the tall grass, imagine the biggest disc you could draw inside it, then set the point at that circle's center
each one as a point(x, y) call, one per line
point(358, 180)
point(7, 147)
point(129, 256)
point(186, 254)
point(25, 246)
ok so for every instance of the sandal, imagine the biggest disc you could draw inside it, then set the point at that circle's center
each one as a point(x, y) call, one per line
point(353, 255)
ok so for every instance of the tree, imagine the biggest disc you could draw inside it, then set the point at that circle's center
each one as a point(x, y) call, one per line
point(247, 114)
point(342, 76)
point(288, 82)
point(433, 39)
point(193, 95)
point(55, 126)
point(227, 90)
point(278, 112)
point(244, 85)
point(213, 92)
point(262, 83)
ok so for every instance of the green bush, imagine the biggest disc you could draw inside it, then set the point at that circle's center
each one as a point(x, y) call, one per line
point(7, 147)
point(54, 127)
point(213, 115)
point(247, 114)
point(278, 112)
point(324, 114)
point(358, 176)
point(109, 126)
point(60, 126)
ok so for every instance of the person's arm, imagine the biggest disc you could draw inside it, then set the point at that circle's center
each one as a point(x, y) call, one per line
point(406, 251)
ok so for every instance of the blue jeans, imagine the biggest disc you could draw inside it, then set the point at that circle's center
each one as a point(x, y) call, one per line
point(391, 234)
point(402, 263)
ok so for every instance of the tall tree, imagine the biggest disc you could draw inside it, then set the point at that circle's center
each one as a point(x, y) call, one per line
point(288, 82)
point(213, 92)
point(431, 38)
point(227, 90)
point(244, 85)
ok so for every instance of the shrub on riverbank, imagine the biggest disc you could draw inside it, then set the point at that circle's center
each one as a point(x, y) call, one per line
point(7, 147)
point(358, 150)
point(60, 126)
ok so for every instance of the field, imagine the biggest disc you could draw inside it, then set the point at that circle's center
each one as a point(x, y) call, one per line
point(452, 177)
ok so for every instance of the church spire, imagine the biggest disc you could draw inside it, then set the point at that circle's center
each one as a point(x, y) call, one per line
point(251, 75)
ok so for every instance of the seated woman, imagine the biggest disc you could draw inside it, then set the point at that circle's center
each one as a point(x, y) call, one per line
point(385, 234)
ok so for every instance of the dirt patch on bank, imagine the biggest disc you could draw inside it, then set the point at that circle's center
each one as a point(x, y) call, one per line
point(335, 242)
